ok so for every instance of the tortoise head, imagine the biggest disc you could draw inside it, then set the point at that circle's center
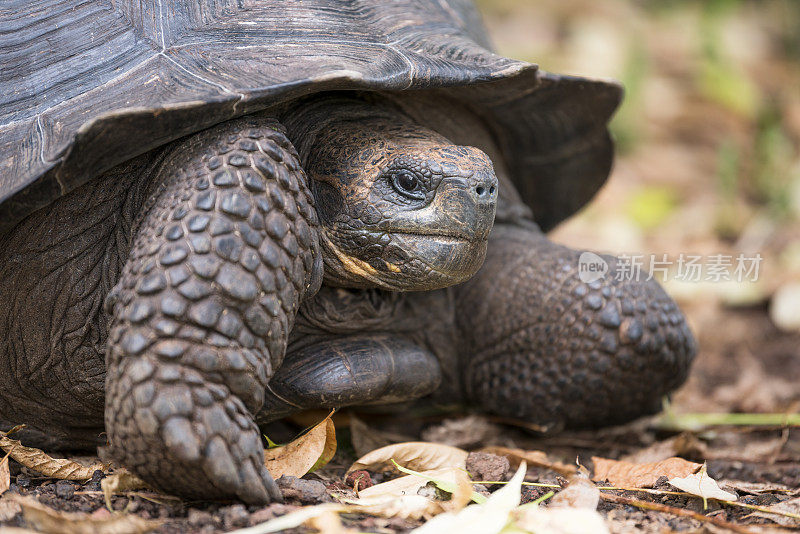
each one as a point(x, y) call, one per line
point(402, 208)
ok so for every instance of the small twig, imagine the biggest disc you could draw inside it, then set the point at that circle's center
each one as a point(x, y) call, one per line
point(655, 492)
point(537, 484)
point(729, 503)
point(694, 422)
point(762, 509)
point(656, 507)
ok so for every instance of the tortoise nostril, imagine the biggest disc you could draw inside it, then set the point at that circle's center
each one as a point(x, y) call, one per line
point(480, 190)
point(491, 190)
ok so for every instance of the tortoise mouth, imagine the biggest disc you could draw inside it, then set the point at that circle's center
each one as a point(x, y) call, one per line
point(438, 259)
point(444, 237)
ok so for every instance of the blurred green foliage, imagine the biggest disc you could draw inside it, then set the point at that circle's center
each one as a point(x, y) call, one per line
point(773, 158)
point(651, 205)
point(627, 124)
point(716, 82)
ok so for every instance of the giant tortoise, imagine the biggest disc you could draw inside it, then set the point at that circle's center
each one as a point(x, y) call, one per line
point(214, 213)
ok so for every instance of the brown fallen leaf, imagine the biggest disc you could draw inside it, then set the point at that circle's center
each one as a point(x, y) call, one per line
point(310, 451)
point(580, 492)
point(682, 445)
point(5, 475)
point(413, 507)
point(45, 464)
point(535, 458)
point(364, 438)
point(409, 484)
point(792, 507)
point(416, 455)
point(329, 522)
point(492, 515)
point(632, 475)
point(50, 521)
point(121, 480)
point(462, 496)
point(465, 432)
point(759, 488)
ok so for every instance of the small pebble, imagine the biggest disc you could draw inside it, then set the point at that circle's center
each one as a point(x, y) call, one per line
point(530, 494)
point(94, 483)
point(235, 516)
point(487, 466)
point(198, 518)
point(65, 489)
point(307, 491)
point(358, 480)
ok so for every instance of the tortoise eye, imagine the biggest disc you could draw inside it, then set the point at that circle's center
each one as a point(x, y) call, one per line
point(406, 183)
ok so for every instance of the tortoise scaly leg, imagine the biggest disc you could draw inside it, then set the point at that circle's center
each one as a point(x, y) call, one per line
point(351, 370)
point(541, 345)
point(225, 251)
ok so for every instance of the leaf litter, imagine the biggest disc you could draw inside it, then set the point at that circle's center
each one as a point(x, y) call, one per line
point(41, 462)
point(5, 474)
point(304, 454)
point(641, 475)
point(702, 485)
point(49, 521)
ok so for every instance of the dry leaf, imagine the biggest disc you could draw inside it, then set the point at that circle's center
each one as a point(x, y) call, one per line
point(408, 484)
point(489, 517)
point(759, 488)
point(535, 458)
point(702, 485)
point(364, 438)
point(559, 520)
point(463, 432)
point(292, 519)
point(463, 492)
point(413, 507)
point(8, 508)
point(399, 497)
point(328, 522)
point(792, 506)
point(685, 444)
point(580, 492)
point(5, 475)
point(310, 451)
point(50, 521)
point(43, 463)
point(121, 480)
point(633, 475)
point(416, 455)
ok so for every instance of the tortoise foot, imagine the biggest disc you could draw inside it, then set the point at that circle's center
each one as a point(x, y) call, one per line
point(188, 438)
point(541, 345)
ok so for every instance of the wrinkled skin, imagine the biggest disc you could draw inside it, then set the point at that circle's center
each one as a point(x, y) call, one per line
point(326, 254)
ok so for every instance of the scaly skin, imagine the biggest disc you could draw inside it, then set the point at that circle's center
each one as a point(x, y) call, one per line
point(357, 369)
point(211, 245)
point(539, 345)
point(220, 262)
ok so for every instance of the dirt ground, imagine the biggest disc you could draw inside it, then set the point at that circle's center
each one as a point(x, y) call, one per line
point(708, 164)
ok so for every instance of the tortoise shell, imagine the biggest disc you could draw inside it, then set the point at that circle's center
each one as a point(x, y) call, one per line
point(86, 85)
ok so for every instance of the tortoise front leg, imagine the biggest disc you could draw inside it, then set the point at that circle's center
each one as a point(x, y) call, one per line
point(541, 345)
point(224, 254)
point(351, 371)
